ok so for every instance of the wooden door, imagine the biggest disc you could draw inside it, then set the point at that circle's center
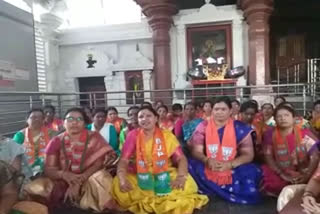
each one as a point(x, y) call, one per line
point(92, 84)
point(290, 57)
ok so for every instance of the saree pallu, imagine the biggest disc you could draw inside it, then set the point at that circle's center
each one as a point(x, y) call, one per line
point(245, 178)
point(243, 190)
point(140, 201)
point(272, 182)
point(187, 130)
point(95, 192)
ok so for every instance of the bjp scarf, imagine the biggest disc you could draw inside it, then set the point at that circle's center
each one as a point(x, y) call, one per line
point(36, 150)
point(74, 153)
point(224, 151)
point(280, 145)
point(159, 179)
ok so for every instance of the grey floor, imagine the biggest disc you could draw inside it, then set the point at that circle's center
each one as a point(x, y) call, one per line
point(216, 205)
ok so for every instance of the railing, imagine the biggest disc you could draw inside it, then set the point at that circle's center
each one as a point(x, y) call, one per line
point(15, 105)
point(307, 71)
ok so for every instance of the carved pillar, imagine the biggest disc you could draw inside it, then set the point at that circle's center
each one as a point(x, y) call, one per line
point(257, 14)
point(49, 25)
point(159, 13)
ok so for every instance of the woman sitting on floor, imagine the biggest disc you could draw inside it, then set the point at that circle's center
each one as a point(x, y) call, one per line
point(51, 121)
point(185, 127)
point(106, 130)
point(132, 114)
point(158, 181)
point(248, 112)
point(113, 117)
point(207, 109)
point(164, 121)
point(11, 179)
point(301, 199)
point(75, 167)
point(34, 139)
point(222, 151)
point(291, 153)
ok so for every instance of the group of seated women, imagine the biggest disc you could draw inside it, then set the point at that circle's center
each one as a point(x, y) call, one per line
point(158, 161)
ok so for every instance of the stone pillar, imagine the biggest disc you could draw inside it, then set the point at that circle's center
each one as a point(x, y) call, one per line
point(257, 14)
point(49, 24)
point(159, 13)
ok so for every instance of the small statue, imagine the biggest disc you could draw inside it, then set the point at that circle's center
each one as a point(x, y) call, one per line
point(90, 61)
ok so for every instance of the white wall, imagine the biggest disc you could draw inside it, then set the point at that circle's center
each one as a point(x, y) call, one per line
point(114, 47)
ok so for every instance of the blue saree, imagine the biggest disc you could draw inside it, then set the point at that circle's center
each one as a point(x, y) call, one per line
point(245, 178)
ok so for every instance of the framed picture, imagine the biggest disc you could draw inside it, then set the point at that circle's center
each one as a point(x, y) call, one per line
point(211, 42)
point(134, 82)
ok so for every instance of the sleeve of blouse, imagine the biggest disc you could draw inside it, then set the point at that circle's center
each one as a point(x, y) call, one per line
point(178, 128)
point(198, 137)
point(267, 137)
point(129, 146)
point(54, 146)
point(267, 142)
point(19, 137)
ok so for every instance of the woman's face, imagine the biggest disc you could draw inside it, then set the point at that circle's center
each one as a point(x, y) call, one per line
point(284, 119)
point(221, 112)
point(190, 111)
point(267, 111)
point(35, 120)
point(49, 114)
point(133, 116)
point(235, 108)
point(147, 120)
point(99, 118)
point(74, 122)
point(248, 115)
point(207, 108)
point(112, 115)
point(162, 113)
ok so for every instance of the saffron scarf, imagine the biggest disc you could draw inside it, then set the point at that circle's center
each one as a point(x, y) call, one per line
point(118, 124)
point(74, 152)
point(286, 160)
point(224, 151)
point(36, 150)
point(159, 179)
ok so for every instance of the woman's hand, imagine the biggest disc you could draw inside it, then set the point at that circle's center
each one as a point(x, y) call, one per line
point(71, 178)
point(73, 193)
point(125, 185)
point(301, 179)
point(309, 204)
point(223, 166)
point(287, 178)
point(179, 182)
point(211, 163)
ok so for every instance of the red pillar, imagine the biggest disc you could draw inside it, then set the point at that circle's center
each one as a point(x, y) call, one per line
point(257, 14)
point(159, 13)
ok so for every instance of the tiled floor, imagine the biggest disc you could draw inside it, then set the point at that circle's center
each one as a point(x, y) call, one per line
point(216, 206)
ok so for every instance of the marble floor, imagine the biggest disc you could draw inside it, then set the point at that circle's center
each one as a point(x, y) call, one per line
point(216, 205)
